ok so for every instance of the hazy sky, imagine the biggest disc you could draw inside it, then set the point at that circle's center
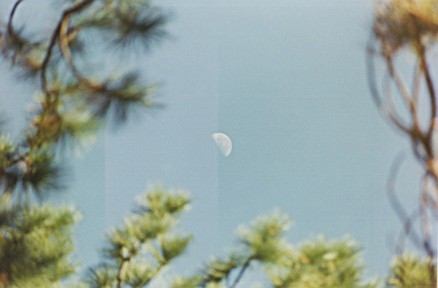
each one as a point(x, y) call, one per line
point(286, 81)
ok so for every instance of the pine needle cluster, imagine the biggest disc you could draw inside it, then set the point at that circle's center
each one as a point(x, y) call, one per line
point(145, 244)
point(73, 101)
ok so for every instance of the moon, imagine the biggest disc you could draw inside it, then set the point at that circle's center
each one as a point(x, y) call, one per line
point(223, 142)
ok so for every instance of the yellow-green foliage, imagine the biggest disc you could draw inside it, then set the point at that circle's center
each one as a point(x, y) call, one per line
point(262, 246)
point(401, 22)
point(147, 242)
point(36, 240)
point(410, 271)
point(35, 243)
point(320, 263)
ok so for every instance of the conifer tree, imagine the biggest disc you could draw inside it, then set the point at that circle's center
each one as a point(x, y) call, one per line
point(145, 244)
point(262, 247)
point(74, 101)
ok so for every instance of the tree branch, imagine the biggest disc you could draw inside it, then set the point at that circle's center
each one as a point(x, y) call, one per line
point(425, 225)
point(122, 271)
point(401, 87)
point(430, 88)
point(407, 228)
point(11, 16)
point(241, 272)
point(68, 57)
point(65, 15)
point(416, 84)
point(395, 202)
point(377, 99)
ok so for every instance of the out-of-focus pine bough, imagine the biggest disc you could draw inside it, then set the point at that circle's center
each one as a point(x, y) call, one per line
point(72, 104)
point(35, 244)
point(409, 29)
point(262, 249)
point(145, 244)
point(35, 238)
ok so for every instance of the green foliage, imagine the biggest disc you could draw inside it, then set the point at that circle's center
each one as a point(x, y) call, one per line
point(35, 240)
point(145, 244)
point(72, 104)
point(74, 101)
point(261, 242)
point(319, 263)
point(411, 271)
point(8, 179)
point(264, 239)
point(34, 170)
point(187, 282)
point(42, 173)
point(35, 244)
point(127, 22)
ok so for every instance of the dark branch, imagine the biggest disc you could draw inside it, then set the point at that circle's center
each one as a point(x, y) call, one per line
point(425, 225)
point(66, 14)
point(241, 272)
point(11, 16)
point(371, 78)
point(407, 228)
point(395, 202)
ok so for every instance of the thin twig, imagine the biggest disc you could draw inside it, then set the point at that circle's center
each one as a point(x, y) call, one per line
point(389, 100)
point(401, 86)
point(407, 226)
point(416, 84)
point(75, 9)
point(65, 49)
point(395, 202)
point(121, 272)
point(425, 225)
point(68, 57)
point(241, 272)
point(430, 89)
point(11, 17)
point(377, 99)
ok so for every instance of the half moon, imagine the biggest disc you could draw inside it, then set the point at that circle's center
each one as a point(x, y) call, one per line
point(223, 142)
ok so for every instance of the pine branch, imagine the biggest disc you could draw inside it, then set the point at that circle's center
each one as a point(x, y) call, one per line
point(55, 35)
point(122, 272)
point(141, 248)
point(239, 276)
point(11, 17)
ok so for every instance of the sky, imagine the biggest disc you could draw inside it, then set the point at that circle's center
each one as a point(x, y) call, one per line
point(286, 81)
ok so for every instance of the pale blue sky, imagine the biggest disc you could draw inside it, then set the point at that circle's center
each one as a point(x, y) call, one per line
point(286, 81)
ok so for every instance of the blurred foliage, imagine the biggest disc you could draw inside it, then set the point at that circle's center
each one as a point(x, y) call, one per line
point(320, 263)
point(400, 23)
point(410, 28)
point(145, 244)
point(411, 271)
point(262, 247)
point(73, 101)
point(35, 244)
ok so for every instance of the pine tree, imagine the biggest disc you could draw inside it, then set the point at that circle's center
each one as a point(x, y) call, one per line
point(262, 247)
point(74, 101)
point(145, 244)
